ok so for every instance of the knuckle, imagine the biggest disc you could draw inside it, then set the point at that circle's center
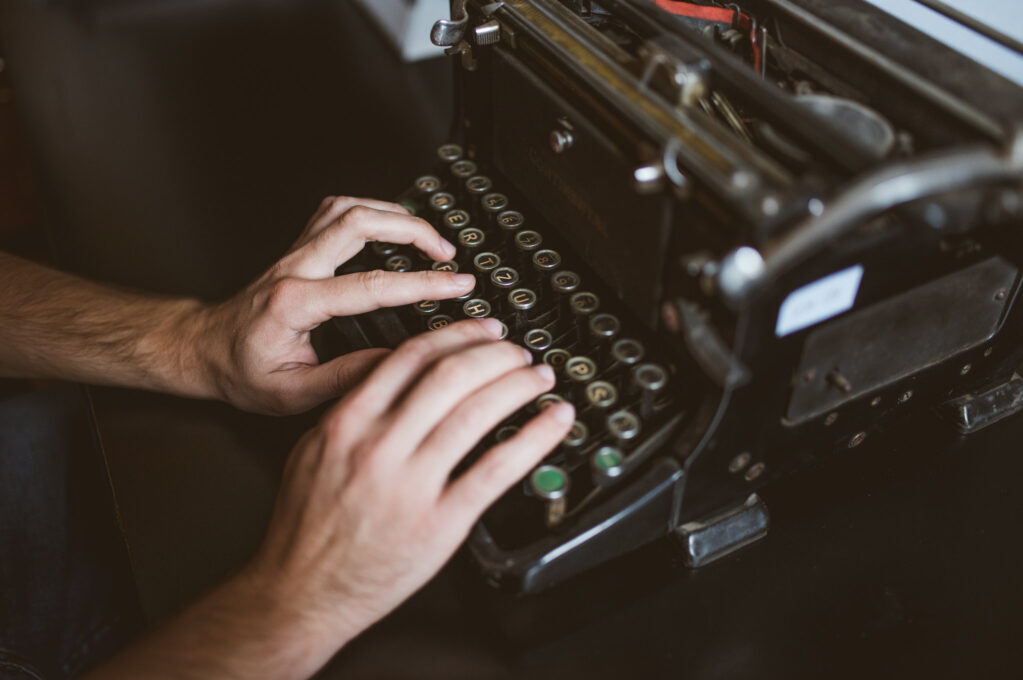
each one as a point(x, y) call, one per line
point(284, 293)
point(357, 216)
point(327, 202)
point(374, 282)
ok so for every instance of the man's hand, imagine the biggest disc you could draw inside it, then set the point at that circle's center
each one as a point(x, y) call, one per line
point(256, 346)
point(252, 350)
point(368, 511)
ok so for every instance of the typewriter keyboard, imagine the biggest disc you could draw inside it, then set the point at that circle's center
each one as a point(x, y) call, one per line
point(528, 280)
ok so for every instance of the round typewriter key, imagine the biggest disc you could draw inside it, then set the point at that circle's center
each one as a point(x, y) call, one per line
point(547, 400)
point(584, 303)
point(494, 203)
point(549, 482)
point(580, 369)
point(521, 303)
point(450, 266)
point(438, 321)
point(577, 436)
point(556, 359)
point(604, 327)
point(648, 380)
point(477, 185)
point(528, 240)
point(412, 208)
point(476, 308)
point(441, 202)
point(505, 433)
point(538, 340)
point(427, 184)
point(449, 153)
point(627, 352)
point(623, 425)
point(510, 220)
point(606, 463)
point(565, 282)
point(456, 219)
point(486, 262)
point(382, 249)
point(504, 278)
point(601, 394)
point(426, 307)
point(471, 238)
point(398, 263)
point(546, 260)
point(463, 169)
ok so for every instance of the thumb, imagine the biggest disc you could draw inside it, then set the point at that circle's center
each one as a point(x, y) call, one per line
point(314, 385)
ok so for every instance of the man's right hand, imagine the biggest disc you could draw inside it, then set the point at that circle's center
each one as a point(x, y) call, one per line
point(368, 511)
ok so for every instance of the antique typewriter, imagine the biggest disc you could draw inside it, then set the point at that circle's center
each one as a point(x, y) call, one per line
point(746, 236)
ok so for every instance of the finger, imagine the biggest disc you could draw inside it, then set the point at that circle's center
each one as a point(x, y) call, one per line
point(333, 207)
point(444, 386)
point(393, 377)
point(478, 414)
point(345, 236)
point(319, 300)
point(467, 497)
point(309, 386)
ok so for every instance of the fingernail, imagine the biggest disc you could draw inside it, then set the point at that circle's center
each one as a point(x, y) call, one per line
point(449, 250)
point(545, 372)
point(493, 326)
point(563, 413)
point(463, 281)
point(527, 355)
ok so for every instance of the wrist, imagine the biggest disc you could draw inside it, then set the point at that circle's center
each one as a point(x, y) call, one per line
point(184, 339)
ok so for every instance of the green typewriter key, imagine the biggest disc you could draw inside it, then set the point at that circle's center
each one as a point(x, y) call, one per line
point(538, 340)
point(606, 464)
point(648, 381)
point(384, 250)
point(456, 219)
point(426, 307)
point(601, 395)
point(550, 483)
point(438, 321)
point(510, 220)
point(486, 262)
point(398, 263)
point(556, 359)
point(623, 425)
point(427, 184)
point(476, 308)
point(449, 153)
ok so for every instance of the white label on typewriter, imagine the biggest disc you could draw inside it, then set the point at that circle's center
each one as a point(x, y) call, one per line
point(820, 300)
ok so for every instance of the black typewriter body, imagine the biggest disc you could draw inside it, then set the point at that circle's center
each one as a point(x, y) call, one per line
point(805, 236)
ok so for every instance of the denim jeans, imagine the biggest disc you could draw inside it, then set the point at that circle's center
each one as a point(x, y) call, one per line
point(67, 598)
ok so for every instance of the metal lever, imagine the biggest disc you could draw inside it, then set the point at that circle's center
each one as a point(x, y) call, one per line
point(449, 32)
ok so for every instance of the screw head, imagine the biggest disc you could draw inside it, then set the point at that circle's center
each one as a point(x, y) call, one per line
point(756, 470)
point(857, 439)
point(832, 417)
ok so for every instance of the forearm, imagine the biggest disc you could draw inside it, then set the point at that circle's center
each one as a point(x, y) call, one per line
point(238, 631)
point(54, 325)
